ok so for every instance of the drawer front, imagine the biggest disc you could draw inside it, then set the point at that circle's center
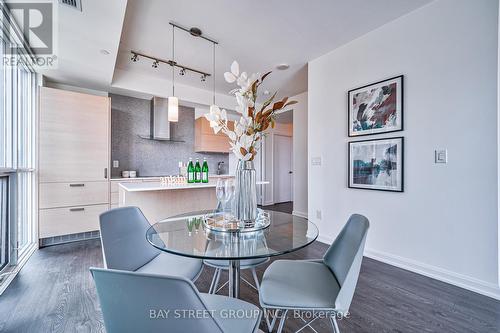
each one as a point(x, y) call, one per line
point(69, 220)
point(53, 195)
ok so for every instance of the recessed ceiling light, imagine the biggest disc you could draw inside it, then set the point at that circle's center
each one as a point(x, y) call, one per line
point(282, 67)
point(105, 52)
point(266, 92)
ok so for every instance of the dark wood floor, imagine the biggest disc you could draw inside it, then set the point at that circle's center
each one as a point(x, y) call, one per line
point(54, 293)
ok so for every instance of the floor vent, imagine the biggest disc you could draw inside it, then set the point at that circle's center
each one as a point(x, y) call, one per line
point(76, 4)
point(68, 238)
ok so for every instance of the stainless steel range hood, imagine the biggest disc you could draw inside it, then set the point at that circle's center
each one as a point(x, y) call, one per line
point(159, 124)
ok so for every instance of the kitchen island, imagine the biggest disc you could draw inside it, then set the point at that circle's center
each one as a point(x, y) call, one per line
point(159, 201)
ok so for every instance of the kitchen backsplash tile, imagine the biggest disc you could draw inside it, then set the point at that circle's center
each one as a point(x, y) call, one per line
point(130, 117)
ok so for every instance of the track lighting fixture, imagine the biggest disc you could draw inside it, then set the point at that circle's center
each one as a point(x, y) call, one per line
point(196, 32)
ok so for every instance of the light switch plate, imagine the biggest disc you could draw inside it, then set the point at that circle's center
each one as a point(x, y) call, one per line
point(441, 156)
point(316, 160)
point(116, 164)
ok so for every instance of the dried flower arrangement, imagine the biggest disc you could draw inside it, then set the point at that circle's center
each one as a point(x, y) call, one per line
point(253, 124)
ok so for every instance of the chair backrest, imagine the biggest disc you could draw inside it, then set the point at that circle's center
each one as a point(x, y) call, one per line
point(138, 302)
point(123, 239)
point(344, 258)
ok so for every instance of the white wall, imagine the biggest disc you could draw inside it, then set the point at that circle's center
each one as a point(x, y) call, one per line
point(300, 155)
point(445, 224)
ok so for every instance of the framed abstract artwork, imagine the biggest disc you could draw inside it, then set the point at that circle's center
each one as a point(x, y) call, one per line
point(376, 108)
point(377, 164)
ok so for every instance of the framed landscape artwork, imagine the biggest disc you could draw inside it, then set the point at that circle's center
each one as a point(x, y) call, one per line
point(377, 164)
point(376, 108)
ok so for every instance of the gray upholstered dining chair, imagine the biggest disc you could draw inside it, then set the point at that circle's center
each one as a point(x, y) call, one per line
point(140, 302)
point(325, 285)
point(124, 246)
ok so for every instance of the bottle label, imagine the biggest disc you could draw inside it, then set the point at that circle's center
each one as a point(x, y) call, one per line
point(198, 175)
point(205, 176)
point(190, 177)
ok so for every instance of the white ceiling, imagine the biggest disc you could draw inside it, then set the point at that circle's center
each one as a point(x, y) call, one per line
point(82, 35)
point(259, 34)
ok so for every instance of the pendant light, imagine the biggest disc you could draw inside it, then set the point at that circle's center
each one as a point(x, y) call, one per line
point(173, 102)
point(213, 106)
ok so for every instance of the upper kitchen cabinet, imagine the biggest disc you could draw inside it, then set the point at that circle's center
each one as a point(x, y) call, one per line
point(205, 140)
point(74, 136)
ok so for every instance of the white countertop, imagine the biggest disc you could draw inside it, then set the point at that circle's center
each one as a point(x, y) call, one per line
point(152, 178)
point(157, 186)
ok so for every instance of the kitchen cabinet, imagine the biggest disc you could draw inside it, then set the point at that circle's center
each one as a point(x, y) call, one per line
point(74, 136)
point(74, 150)
point(205, 140)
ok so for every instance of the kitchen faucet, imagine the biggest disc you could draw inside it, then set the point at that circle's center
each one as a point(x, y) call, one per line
point(219, 167)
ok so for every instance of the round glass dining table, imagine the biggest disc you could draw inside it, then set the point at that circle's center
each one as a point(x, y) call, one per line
point(186, 235)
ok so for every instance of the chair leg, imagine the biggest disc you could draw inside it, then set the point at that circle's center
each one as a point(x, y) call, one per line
point(335, 325)
point(254, 273)
point(282, 322)
point(270, 324)
point(215, 281)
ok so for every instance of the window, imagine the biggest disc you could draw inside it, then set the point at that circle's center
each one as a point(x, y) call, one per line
point(4, 246)
point(18, 87)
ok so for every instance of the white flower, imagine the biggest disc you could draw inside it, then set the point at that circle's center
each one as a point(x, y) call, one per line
point(231, 135)
point(233, 75)
point(243, 104)
point(246, 82)
point(235, 68)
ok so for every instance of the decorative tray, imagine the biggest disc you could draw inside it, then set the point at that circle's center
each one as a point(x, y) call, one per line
point(219, 221)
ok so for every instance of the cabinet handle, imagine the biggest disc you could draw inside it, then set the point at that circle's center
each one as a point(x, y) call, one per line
point(76, 209)
point(105, 173)
point(76, 185)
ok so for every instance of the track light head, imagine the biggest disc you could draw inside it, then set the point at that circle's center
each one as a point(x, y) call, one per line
point(182, 72)
point(134, 57)
point(155, 64)
point(203, 77)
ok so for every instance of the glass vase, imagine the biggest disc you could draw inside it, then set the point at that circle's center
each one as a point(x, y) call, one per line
point(245, 193)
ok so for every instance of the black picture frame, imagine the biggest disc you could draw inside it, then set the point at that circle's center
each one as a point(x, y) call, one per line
point(399, 79)
point(400, 158)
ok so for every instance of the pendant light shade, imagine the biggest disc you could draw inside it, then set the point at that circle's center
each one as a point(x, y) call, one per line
point(173, 109)
point(213, 106)
point(173, 102)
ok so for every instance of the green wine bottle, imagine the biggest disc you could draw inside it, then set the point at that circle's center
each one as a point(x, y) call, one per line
point(197, 171)
point(190, 171)
point(204, 171)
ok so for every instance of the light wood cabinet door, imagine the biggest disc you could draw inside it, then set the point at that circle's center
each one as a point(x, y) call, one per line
point(74, 136)
point(205, 140)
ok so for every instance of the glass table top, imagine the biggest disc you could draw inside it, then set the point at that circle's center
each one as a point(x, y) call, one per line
point(186, 235)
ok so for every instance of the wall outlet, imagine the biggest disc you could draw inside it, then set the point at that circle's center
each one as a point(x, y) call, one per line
point(116, 164)
point(441, 156)
point(316, 160)
point(318, 214)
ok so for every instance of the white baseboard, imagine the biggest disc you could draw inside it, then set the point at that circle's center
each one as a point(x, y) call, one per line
point(325, 240)
point(459, 280)
point(481, 287)
point(300, 214)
